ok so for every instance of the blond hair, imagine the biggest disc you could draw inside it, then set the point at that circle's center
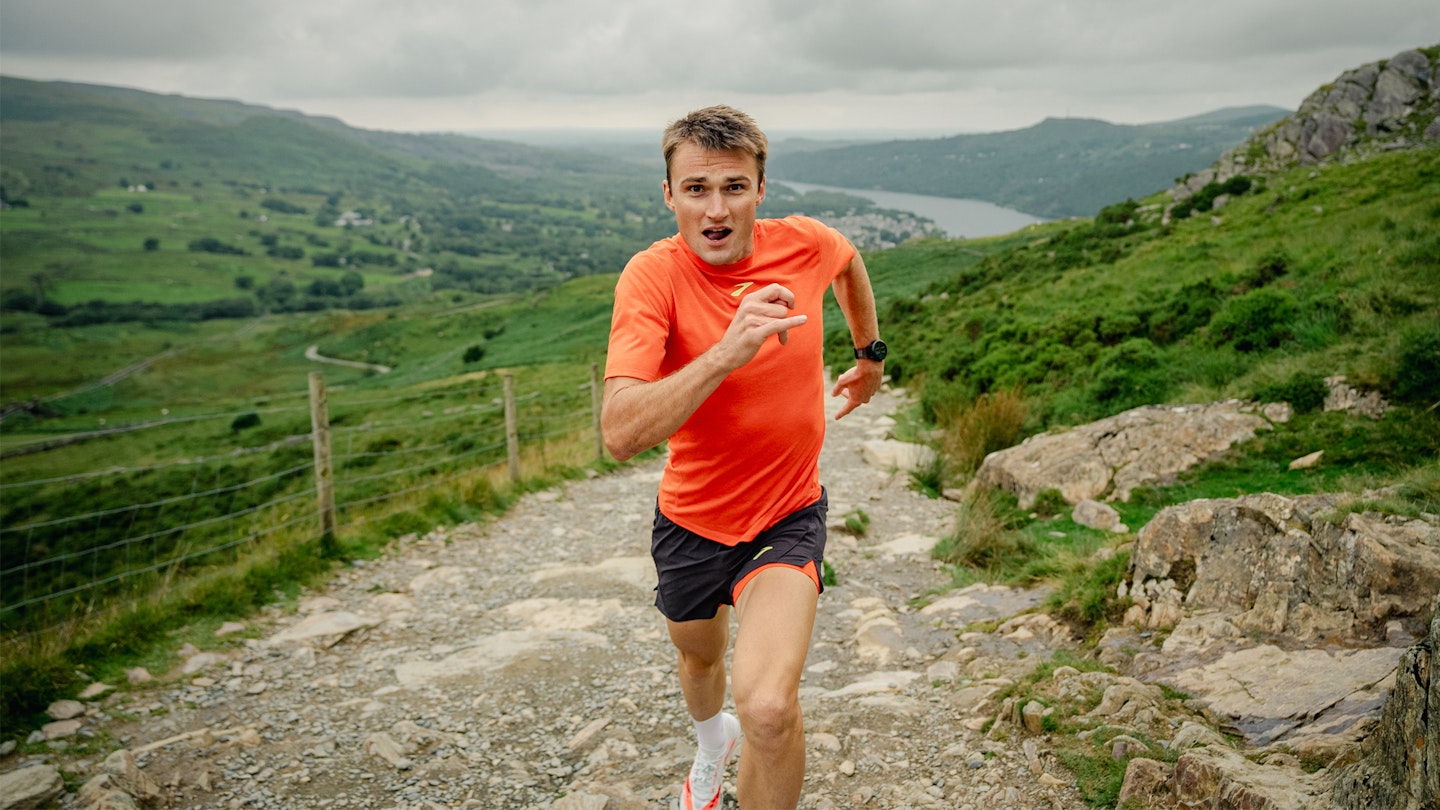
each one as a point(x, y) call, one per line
point(718, 128)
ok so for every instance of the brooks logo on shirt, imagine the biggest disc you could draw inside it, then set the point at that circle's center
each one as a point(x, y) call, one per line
point(740, 288)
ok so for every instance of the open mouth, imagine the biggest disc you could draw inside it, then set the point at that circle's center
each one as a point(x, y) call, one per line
point(715, 235)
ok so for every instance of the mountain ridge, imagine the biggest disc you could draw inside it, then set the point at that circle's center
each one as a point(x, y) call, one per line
point(1058, 167)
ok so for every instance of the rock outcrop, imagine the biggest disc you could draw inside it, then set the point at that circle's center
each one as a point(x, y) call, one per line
point(1109, 458)
point(1286, 619)
point(1277, 566)
point(1386, 105)
point(1399, 766)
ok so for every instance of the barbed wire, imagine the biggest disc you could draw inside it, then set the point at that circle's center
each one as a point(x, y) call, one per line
point(94, 550)
point(405, 470)
point(152, 504)
point(531, 424)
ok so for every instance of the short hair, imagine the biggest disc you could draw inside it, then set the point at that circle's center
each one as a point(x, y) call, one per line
point(718, 128)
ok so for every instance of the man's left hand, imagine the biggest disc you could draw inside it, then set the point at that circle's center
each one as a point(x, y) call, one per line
point(858, 385)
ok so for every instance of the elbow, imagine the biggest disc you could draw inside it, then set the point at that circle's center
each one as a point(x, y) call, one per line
point(620, 451)
point(618, 442)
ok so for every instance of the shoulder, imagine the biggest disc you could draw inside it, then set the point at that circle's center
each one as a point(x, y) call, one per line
point(658, 258)
point(806, 235)
point(650, 273)
point(800, 228)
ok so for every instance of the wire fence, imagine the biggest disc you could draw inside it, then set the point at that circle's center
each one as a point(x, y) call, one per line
point(73, 544)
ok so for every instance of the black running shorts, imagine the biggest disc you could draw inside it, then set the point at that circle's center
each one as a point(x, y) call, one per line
point(698, 575)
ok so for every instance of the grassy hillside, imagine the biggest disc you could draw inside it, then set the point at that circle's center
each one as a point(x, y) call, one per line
point(1057, 168)
point(1323, 269)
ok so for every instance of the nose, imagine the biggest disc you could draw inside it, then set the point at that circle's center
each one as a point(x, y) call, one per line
point(715, 205)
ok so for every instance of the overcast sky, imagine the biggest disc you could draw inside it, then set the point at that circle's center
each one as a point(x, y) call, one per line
point(937, 66)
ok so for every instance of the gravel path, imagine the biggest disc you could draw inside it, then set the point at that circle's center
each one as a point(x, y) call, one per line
point(521, 664)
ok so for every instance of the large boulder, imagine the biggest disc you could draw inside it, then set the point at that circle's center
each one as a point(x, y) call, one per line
point(1279, 566)
point(1111, 457)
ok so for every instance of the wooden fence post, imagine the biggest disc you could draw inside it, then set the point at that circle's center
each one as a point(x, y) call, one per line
point(512, 430)
point(596, 403)
point(324, 471)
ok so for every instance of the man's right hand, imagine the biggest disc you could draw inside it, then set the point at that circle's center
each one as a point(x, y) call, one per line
point(762, 313)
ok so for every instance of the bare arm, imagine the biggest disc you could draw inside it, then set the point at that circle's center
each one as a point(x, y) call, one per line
point(638, 415)
point(857, 301)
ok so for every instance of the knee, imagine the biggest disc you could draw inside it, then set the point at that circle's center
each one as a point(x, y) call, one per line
point(768, 715)
point(700, 665)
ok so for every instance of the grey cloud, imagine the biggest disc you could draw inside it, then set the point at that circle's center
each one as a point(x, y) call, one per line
point(449, 50)
point(96, 30)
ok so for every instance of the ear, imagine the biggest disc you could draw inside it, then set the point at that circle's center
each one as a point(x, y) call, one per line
point(669, 201)
point(760, 196)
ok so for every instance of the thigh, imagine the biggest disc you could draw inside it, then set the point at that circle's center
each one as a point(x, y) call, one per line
point(776, 614)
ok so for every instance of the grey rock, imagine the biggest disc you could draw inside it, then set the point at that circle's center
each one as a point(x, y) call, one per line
point(1399, 766)
point(1265, 557)
point(30, 788)
point(1109, 458)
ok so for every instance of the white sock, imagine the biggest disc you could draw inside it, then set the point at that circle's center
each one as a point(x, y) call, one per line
point(711, 733)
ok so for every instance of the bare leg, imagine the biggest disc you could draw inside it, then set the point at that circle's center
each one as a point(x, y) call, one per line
point(701, 646)
point(770, 650)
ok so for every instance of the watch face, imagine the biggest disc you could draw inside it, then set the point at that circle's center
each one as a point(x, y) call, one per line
point(878, 350)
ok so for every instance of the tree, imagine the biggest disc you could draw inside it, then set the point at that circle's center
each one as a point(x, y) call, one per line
point(352, 282)
point(152, 244)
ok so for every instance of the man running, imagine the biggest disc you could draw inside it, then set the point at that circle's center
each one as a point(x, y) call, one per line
point(712, 347)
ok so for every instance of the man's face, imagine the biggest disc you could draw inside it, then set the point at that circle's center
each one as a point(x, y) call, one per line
point(714, 195)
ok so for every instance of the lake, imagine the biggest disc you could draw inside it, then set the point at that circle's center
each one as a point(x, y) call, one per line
point(959, 218)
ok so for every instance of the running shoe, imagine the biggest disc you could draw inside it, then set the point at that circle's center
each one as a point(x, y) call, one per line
point(702, 786)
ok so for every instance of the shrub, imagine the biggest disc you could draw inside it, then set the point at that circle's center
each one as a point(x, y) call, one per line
point(984, 538)
point(1204, 199)
point(1186, 310)
point(1050, 503)
point(1417, 366)
point(1257, 320)
point(1129, 374)
point(1304, 390)
point(352, 282)
point(1086, 594)
point(152, 244)
point(970, 431)
point(474, 354)
point(1268, 268)
point(210, 244)
point(281, 206)
point(245, 421)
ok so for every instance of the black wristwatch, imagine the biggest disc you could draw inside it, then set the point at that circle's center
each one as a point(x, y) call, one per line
point(876, 350)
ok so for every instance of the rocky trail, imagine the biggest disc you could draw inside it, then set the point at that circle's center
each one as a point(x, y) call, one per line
point(1275, 655)
point(521, 664)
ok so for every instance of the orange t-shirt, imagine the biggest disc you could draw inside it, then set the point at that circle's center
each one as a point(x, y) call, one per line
point(750, 454)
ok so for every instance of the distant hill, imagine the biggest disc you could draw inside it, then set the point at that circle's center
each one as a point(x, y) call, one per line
point(270, 190)
point(1059, 167)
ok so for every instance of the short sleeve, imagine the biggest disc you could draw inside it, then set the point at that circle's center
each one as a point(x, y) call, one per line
point(640, 323)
